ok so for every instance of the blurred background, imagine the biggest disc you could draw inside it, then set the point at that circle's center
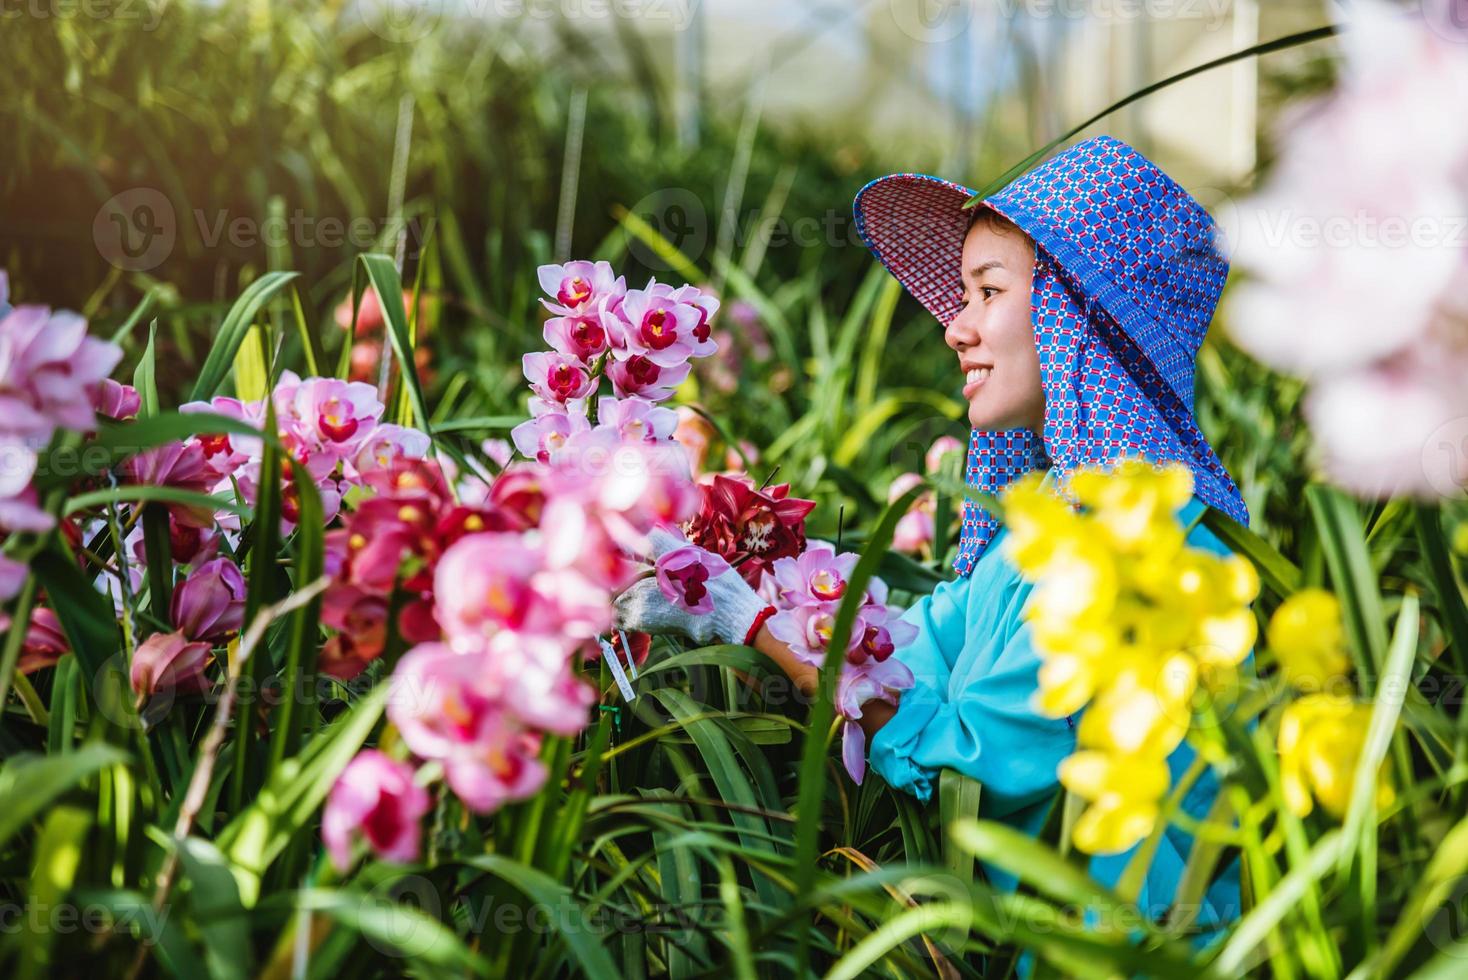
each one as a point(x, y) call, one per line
point(174, 151)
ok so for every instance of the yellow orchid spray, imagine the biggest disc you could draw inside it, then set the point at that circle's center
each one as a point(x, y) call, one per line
point(1130, 621)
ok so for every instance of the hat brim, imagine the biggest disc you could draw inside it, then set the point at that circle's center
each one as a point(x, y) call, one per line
point(915, 226)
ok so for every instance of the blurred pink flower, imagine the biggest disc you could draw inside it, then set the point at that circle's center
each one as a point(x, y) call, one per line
point(169, 662)
point(683, 575)
point(48, 368)
point(45, 642)
point(449, 708)
point(210, 603)
point(12, 577)
point(579, 286)
point(694, 433)
point(942, 447)
point(385, 443)
point(490, 583)
point(914, 532)
point(376, 799)
point(556, 377)
point(640, 375)
point(1357, 274)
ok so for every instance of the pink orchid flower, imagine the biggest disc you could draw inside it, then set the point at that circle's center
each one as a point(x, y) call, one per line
point(579, 286)
point(115, 400)
point(556, 377)
point(48, 369)
point(805, 629)
point(336, 415)
point(642, 376)
point(880, 682)
point(383, 444)
point(582, 337)
point(707, 305)
point(169, 662)
point(224, 452)
point(817, 576)
point(661, 328)
point(448, 709)
point(683, 575)
point(547, 433)
point(495, 582)
point(637, 419)
point(210, 604)
point(376, 799)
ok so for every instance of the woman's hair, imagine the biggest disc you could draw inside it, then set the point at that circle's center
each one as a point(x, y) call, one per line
point(999, 224)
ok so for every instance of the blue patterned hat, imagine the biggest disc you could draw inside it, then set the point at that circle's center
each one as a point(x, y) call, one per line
point(1127, 276)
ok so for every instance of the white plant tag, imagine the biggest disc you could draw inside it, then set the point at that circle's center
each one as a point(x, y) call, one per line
point(618, 674)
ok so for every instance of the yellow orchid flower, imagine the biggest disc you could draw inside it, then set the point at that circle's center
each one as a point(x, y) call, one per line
point(1321, 737)
point(1308, 637)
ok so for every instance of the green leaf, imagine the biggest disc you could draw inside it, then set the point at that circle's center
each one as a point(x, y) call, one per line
point(1343, 540)
point(145, 376)
point(87, 618)
point(392, 926)
point(286, 803)
point(958, 798)
point(232, 331)
point(582, 940)
point(823, 711)
point(1254, 928)
point(58, 856)
point(29, 784)
point(297, 709)
point(214, 905)
point(383, 277)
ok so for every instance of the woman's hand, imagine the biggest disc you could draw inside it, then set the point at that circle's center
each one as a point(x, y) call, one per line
point(737, 611)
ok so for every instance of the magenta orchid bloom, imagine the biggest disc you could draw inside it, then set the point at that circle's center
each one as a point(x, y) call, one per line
point(641, 376)
point(582, 337)
point(336, 415)
point(637, 419)
point(818, 575)
point(805, 629)
point(683, 576)
point(223, 452)
point(376, 799)
point(577, 287)
point(556, 377)
point(115, 400)
point(548, 432)
point(661, 328)
point(706, 304)
point(169, 662)
point(210, 604)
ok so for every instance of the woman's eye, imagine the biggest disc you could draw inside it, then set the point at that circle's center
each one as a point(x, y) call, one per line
point(987, 290)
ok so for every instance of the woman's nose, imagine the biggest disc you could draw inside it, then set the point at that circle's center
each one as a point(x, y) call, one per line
point(961, 332)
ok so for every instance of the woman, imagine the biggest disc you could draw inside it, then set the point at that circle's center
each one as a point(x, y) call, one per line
point(1075, 299)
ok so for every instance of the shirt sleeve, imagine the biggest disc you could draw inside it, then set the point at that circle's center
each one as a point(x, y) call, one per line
point(988, 729)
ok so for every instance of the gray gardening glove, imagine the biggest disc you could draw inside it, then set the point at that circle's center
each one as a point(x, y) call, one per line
point(737, 614)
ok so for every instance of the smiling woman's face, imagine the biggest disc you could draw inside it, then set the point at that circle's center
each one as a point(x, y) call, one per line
point(993, 334)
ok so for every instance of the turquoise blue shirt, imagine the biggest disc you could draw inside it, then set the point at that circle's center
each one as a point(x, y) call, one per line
point(976, 670)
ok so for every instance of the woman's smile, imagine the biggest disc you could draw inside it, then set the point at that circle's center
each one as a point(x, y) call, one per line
point(974, 378)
